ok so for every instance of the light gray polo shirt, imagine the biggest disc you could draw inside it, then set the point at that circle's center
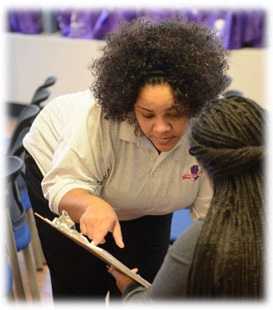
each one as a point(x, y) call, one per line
point(75, 147)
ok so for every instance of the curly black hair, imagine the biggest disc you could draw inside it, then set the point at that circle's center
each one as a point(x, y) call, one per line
point(187, 56)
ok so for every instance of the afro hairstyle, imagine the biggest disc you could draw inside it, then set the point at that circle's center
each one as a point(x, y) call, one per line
point(187, 56)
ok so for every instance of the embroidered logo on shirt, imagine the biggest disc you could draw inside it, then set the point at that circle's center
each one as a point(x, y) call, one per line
point(194, 174)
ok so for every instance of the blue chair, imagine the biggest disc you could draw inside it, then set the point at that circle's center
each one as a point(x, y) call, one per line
point(181, 220)
point(23, 197)
point(19, 232)
point(9, 281)
point(25, 119)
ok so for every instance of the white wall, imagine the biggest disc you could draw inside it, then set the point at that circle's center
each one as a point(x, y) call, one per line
point(31, 58)
point(247, 69)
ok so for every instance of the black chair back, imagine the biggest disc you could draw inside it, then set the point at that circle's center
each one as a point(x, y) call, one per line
point(40, 96)
point(41, 93)
point(24, 122)
point(27, 116)
point(14, 200)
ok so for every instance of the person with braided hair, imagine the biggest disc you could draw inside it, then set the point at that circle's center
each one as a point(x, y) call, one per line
point(117, 160)
point(222, 255)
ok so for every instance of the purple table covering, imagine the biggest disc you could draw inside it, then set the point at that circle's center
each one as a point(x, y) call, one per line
point(236, 28)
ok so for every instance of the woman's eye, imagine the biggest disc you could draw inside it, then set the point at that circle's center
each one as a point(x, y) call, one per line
point(173, 115)
point(147, 115)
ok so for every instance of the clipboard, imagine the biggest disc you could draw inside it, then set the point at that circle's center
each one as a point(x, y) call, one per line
point(66, 226)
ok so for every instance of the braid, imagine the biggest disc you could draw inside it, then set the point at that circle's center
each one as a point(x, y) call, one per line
point(227, 140)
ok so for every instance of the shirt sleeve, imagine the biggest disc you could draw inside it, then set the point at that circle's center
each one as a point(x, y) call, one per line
point(80, 161)
point(171, 280)
point(200, 207)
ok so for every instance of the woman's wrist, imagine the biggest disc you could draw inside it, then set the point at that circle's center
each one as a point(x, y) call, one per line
point(76, 202)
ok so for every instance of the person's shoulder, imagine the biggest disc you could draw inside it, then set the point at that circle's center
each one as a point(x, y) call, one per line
point(189, 237)
point(78, 98)
point(183, 248)
point(194, 228)
point(73, 104)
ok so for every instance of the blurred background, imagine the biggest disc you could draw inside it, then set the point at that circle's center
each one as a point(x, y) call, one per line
point(62, 43)
point(48, 53)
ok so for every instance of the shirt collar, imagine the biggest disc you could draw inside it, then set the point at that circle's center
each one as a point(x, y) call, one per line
point(127, 132)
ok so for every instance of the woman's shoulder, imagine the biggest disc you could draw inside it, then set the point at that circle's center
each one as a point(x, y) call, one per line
point(68, 105)
point(187, 240)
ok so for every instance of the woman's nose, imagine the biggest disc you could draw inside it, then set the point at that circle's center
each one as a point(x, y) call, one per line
point(161, 126)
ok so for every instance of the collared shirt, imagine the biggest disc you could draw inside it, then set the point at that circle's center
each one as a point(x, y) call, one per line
point(76, 147)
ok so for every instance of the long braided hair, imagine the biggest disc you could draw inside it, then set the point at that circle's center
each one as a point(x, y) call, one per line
point(227, 140)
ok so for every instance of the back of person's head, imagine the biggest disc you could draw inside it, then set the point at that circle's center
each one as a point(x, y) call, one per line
point(227, 140)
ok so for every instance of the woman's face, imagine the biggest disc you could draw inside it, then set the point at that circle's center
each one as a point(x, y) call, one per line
point(158, 117)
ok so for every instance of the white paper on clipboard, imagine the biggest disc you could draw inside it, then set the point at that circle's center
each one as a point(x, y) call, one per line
point(66, 226)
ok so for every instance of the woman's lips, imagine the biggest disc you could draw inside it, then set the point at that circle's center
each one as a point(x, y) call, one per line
point(163, 140)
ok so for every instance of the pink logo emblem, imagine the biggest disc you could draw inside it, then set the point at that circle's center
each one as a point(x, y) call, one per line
point(194, 174)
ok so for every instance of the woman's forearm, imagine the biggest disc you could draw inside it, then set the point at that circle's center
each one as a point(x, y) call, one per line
point(76, 202)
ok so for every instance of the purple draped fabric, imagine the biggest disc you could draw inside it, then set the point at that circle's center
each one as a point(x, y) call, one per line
point(91, 24)
point(236, 28)
point(28, 22)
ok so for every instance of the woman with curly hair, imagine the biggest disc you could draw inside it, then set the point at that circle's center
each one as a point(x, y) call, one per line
point(221, 256)
point(119, 163)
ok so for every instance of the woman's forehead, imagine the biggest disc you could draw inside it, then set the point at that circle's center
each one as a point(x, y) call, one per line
point(156, 96)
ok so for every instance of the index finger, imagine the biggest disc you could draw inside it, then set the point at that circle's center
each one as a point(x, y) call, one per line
point(118, 235)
